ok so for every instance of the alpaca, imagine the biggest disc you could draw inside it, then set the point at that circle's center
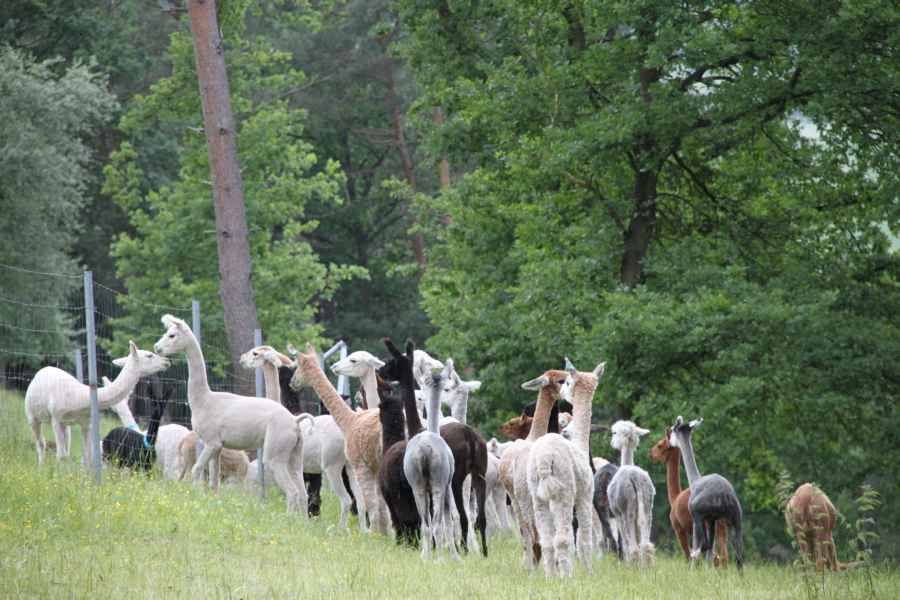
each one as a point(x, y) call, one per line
point(362, 439)
point(234, 465)
point(712, 498)
point(168, 441)
point(428, 465)
point(455, 393)
point(423, 365)
point(126, 447)
point(54, 395)
point(679, 514)
point(126, 417)
point(560, 481)
point(323, 442)
point(225, 420)
point(362, 365)
point(513, 464)
point(631, 493)
point(602, 476)
point(810, 518)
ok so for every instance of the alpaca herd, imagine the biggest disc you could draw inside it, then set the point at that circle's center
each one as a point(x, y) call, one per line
point(440, 487)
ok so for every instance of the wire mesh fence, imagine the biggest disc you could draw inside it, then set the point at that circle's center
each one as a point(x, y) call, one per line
point(45, 342)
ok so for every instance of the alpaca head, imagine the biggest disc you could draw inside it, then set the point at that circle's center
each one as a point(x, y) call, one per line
point(662, 449)
point(145, 362)
point(582, 381)
point(626, 434)
point(423, 365)
point(455, 393)
point(262, 355)
point(400, 366)
point(551, 381)
point(357, 364)
point(177, 337)
point(680, 436)
point(305, 360)
point(517, 428)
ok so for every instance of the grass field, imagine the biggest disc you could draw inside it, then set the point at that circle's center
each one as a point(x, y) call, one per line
point(61, 536)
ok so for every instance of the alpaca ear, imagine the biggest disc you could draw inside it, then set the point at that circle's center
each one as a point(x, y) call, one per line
point(120, 362)
point(374, 361)
point(599, 370)
point(679, 421)
point(292, 350)
point(106, 380)
point(695, 423)
point(472, 386)
point(410, 350)
point(284, 360)
point(389, 344)
point(311, 351)
point(536, 383)
point(641, 431)
point(570, 367)
point(132, 348)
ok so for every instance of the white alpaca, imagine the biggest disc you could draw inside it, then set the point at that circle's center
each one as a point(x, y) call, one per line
point(122, 410)
point(362, 365)
point(631, 495)
point(323, 441)
point(428, 466)
point(168, 440)
point(561, 482)
point(513, 464)
point(225, 420)
point(55, 396)
point(456, 392)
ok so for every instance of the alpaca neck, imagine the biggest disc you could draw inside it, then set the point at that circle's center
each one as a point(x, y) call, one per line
point(370, 385)
point(626, 455)
point(582, 398)
point(460, 410)
point(312, 373)
point(673, 474)
point(153, 424)
point(198, 387)
point(434, 409)
point(391, 423)
point(119, 388)
point(545, 405)
point(413, 420)
point(125, 415)
point(270, 377)
point(690, 465)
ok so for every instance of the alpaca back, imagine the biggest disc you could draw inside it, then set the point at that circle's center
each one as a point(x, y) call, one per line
point(713, 496)
point(53, 387)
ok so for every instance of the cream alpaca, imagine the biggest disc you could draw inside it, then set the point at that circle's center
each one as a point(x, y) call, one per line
point(513, 464)
point(362, 439)
point(225, 420)
point(55, 396)
point(560, 481)
point(631, 495)
point(323, 442)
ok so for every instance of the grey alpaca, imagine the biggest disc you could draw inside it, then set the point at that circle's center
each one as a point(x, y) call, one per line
point(631, 495)
point(712, 498)
point(428, 466)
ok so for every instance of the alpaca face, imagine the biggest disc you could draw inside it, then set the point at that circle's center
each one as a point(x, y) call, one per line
point(680, 436)
point(175, 339)
point(146, 362)
point(357, 364)
point(259, 356)
point(516, 428)
point(663, 448)
point(455, 392)
point(424, 365)
point(400, 366)
point(626, 434)
point(552, 380)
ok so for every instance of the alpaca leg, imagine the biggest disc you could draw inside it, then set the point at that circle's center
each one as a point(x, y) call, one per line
point(215, 469)
point(281, 472)
point(38, 437)
point(584, 512)
point(333, 473)
point(684, 539)
point(722, 543)
point(737, 539)
point(525, 534)
point(86, 446)
point(362, 495)
point(479, 486)
point(420, 494)
point(543, 520)
point(457, 486)
point(646, 521)
point(449, 522)
point(59, 431)
point(198, 471)
point(469, 500)
point(698, 534)
point(564, 535)
point(707, 548)
point(295, 470)
point(499, 496)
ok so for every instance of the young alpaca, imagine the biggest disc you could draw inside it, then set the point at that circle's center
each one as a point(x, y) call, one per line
point(679, 514)
point(513, 464)
point(54, 395)
point(560, 481)
point(811, 517)
point(712, 498)
point(428, 466)
point(362, 439)
point(127, 447)
point(225, 420)
point(631, 495)
point(323, 443)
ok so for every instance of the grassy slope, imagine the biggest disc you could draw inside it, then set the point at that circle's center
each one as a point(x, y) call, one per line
point(62, 536)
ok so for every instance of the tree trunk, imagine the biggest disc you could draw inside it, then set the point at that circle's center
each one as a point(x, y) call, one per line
point(640, 229)
point(444, 164)
point(235, 287)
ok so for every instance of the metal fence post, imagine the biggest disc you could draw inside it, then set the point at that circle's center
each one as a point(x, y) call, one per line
point(92, 370)
point(257, 341)
point(195, 320)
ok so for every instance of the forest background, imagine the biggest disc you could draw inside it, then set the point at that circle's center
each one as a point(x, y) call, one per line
point(703, 194)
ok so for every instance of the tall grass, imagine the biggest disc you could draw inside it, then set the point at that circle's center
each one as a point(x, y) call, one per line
point(61, 536)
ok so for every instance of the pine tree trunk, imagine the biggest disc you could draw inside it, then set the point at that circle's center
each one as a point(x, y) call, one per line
point(235, 287)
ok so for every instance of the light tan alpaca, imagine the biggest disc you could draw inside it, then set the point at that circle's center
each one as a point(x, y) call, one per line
point(811, 517)
point(560, 481)
point(513, 471)
point(233, 464)
point(362, 438)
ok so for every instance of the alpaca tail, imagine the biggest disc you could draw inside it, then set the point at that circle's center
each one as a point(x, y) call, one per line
point(305, 417)
point(549, 484)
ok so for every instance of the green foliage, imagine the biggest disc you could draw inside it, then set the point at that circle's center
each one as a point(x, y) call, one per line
point(46, 110)
point(172, 256)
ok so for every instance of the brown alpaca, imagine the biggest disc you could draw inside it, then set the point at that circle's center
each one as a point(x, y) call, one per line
point(811, 517)
point(362, 437)
point(679, 514)
point(516, 428)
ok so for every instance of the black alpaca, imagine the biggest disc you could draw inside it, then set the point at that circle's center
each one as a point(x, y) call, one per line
point(392, 482)
point(129, 448)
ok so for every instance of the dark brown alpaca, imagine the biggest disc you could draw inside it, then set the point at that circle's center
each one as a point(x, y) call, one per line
point(679, 514)
point(811, 517)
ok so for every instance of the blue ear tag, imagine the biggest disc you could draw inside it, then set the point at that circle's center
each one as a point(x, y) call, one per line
point(146, 443)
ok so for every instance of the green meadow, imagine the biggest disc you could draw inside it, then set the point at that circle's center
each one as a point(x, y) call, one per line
point(62, 536)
